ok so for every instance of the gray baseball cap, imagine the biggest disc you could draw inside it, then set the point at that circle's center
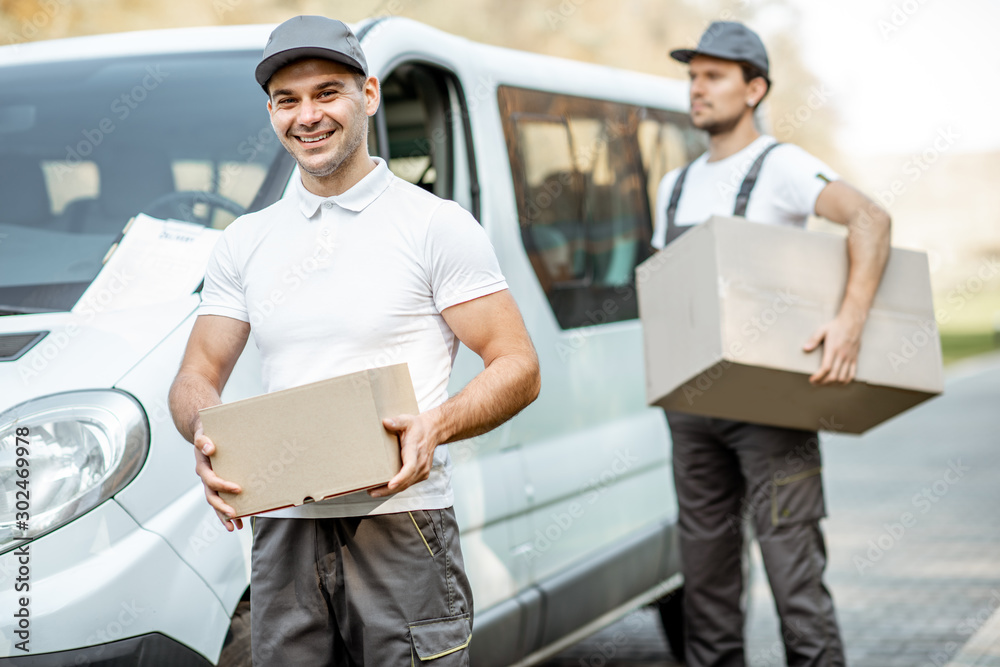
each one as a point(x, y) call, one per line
point(309, 37)
point(730, 41)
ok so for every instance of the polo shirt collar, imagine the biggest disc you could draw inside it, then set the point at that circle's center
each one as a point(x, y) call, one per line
point(356, 199)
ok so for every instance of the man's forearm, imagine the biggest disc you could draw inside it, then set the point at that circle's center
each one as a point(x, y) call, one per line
point(499, 392)
point(189, 394)
point(868, 234)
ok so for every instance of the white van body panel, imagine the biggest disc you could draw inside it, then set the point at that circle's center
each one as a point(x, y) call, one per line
point(102, 578)
point(84, 350)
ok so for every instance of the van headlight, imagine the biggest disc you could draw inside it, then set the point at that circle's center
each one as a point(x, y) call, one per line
point(62, 455)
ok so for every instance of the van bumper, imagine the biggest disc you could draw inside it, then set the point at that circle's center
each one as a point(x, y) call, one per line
point(100, 580)
point(152, 650)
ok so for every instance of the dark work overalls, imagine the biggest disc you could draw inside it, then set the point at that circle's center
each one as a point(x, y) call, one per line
point(728, 472)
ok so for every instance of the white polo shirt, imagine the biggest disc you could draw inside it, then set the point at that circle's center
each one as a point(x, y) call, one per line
point(334, 285)
point(787, 186)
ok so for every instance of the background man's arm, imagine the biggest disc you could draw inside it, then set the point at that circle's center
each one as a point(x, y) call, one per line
point(868, 227)
point(215, 344)
point(491, 326)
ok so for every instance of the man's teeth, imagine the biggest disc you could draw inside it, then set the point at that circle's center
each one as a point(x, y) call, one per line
point(314, 139)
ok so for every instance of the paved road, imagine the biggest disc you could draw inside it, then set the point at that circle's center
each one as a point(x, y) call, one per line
point(913, 539)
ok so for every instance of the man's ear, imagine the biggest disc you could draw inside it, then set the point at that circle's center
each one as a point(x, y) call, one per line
point(373, 95)
point(269, 107)
point(757, 88)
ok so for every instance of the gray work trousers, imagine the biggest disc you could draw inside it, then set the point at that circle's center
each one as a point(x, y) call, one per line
point(728, 472)
point(383, 590)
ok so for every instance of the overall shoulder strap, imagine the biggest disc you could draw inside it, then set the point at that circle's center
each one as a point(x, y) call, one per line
point(675, 195)
point(743, 198)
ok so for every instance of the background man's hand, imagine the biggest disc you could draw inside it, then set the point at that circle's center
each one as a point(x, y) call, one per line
point(417, 444)
point(203, 448)
point(841, 340)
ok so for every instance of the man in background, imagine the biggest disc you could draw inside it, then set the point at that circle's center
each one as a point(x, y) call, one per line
point(721, 466)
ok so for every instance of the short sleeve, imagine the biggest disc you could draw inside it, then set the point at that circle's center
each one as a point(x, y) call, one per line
point(663, 193)
point(463, 265)
point(803, 177)
point(222, 293)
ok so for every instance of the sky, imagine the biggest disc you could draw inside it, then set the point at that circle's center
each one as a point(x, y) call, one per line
point(903, 73)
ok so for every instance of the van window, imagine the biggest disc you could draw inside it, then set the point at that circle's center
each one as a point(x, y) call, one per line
point(85, 145)
point(667, 141)
point(421, 130)
point(585, 175)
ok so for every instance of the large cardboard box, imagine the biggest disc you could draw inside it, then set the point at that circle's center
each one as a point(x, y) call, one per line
point(310, 442)
point(727, 307)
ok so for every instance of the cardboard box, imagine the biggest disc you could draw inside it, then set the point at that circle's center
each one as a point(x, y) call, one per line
point(311, 442)
point(727, 307)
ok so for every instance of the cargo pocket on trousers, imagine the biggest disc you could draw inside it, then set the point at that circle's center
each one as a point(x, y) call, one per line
point(438, 638)
point(798, 497)
point(423, 521)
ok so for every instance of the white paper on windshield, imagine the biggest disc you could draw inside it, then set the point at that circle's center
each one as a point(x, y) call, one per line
point(155, 261)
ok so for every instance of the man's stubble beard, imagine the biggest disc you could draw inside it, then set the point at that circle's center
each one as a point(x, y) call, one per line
point(337, 159)
point(723, 126)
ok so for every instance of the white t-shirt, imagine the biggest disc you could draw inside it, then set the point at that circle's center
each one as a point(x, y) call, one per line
point(340, 284)
point(788, 184)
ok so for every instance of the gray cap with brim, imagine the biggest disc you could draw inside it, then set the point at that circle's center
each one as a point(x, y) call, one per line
point(309, 37)
point(728, 40)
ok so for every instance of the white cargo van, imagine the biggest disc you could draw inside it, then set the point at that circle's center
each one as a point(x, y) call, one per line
point(109, 554)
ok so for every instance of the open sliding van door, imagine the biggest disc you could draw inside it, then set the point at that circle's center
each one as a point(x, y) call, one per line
point(423, 131)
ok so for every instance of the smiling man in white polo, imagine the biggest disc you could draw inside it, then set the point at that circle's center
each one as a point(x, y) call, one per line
point(371, 578)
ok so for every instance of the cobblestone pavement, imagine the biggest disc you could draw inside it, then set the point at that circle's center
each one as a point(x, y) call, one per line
point(913, 539)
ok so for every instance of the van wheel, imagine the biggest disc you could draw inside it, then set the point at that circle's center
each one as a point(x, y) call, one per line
point(236, 650)
point(671, 608)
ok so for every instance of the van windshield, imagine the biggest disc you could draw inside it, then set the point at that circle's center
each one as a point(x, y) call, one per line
point(86, 145)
